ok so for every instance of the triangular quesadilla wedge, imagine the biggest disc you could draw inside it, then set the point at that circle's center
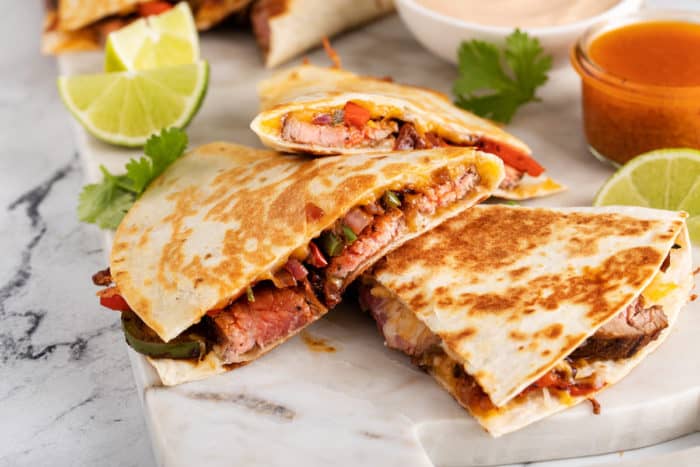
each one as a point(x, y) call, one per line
point(520, 312)
point(79, 25)
point(233, 250)
point(286, 28)
point(323, 111)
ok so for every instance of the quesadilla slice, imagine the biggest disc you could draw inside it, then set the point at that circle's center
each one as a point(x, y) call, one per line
point(80, 25)
point(286, 28)
point(325, 111)
point(520, 312)
point(233, 250)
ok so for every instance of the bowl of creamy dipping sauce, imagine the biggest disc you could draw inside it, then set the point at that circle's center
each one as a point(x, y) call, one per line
point(442, 25)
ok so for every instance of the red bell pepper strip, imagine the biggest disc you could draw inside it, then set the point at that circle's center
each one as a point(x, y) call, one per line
point(513, 157)
point(355, 115)
point(153, 8)
point(114, 302)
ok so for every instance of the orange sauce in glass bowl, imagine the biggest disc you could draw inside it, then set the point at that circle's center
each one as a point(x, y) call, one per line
point(640, 84)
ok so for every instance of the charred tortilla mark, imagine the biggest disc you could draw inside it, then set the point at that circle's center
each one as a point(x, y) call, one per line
point(457, 337)
point(517, 335)
point(518, 273)
point(550, 332)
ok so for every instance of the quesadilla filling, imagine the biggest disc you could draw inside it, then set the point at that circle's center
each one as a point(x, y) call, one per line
point(620, 338)
point(282, 302)
point(100, 28)
point(354, 126)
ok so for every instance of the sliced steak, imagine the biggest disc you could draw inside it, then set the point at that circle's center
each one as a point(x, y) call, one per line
point(511, 179)
point(375, 134)
point(409, 138)
point(446, 192)
point(275, 314)
point(344, 267)
point(624, 335)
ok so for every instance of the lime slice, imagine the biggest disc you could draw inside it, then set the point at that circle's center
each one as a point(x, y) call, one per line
point(155, 41)
point(663, 179)
point(126, 108)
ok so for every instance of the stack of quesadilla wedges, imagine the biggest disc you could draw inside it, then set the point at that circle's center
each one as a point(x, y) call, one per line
point(283, 28)
point(234, 250)
point(79, 25)
point(517, 312)
point(324, 111)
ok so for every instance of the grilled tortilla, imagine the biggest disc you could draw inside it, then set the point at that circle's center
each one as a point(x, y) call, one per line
point(311, 109)
point(246, 247)
point(80, 25)
point(520, 313)
point(286, 28)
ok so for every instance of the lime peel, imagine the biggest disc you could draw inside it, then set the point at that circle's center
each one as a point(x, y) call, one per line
point(126, 108)
point(662, 179)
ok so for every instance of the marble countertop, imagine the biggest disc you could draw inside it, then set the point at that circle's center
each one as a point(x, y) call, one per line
point(67, 395)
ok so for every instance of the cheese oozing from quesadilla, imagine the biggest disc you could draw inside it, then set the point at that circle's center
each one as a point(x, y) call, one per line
point(596, 359)
point(321, 111)
point(328, 222)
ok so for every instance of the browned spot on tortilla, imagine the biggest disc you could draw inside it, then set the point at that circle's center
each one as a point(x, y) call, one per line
point(143, 239)
point(546, 352)
point(418, 301)
point(516, 274)
point(517, 335)
point(315, 343)
point(456, 337)
point(552, 331)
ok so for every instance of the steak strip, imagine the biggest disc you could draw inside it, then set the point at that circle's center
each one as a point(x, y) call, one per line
point(626, 334)
point(275, 314)
point(384, 228)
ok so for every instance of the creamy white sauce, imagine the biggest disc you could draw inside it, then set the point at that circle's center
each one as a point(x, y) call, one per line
point(520, 13)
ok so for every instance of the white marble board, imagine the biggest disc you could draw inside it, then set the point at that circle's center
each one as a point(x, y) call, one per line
point(364, 404)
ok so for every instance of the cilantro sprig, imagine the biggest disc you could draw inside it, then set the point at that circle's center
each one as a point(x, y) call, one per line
point(106, 203)
point(487, 89)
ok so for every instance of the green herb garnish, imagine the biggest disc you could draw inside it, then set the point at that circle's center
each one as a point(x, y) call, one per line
point(391, 199)
point(249, 294)
point(106, 203)
point(349, 235)
point(487, 89)
point(332, 245)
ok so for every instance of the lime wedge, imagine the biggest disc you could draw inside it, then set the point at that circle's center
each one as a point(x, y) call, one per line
point(126, 108)
point(663, 179)
point(155, 41)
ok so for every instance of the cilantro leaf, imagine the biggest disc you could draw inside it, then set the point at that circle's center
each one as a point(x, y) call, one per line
point(487, 89)
point(161, 151)
point(106, 203)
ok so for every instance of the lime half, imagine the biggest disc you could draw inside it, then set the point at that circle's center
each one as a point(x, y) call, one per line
point(155, 41)
point(126, 108)
point(663, 179)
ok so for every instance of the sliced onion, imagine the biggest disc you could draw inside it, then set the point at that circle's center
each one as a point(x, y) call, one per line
point(357, 219)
